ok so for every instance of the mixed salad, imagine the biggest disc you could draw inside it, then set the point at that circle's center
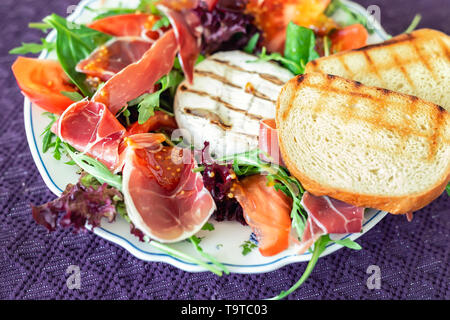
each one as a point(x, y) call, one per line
point(109, 97)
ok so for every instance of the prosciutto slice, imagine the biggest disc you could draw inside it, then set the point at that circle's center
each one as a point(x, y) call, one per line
point(139, 77)
point(91, 128)
point(188, 43)
point(165, 199)
point(123, 25)
point(326, 216)
point(268, 141)
point(114, 56)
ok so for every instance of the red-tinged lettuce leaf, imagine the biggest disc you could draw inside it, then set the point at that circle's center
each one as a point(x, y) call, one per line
point(218, 180)
point(78, 205)
point(226, 27)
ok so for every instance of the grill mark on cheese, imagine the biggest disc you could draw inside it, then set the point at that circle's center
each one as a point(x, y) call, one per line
point(264, 76)
point(224, 103)
point(213, 118)
point(225, 81)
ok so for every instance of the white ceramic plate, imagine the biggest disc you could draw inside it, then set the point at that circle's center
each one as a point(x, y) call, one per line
point(224, 242)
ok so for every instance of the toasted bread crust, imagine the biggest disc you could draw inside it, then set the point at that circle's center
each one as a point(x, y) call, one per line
point(392, 204)
point(397, 64)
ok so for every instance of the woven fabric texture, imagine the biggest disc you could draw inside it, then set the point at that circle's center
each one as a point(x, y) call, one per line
point(413, 257)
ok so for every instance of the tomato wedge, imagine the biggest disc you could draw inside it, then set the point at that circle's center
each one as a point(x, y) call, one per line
point(348, 38)
point(267, 212)
point(42, 81)
point(273, 16)
point(123, 25)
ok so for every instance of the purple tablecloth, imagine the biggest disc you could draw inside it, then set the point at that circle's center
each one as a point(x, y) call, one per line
point(413, 258)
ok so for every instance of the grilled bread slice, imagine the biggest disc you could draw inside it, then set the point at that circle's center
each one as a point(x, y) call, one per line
point(366, 146)
point(417, 64)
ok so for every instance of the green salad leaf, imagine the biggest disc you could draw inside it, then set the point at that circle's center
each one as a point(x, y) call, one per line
point(94, 168)
point(319, 247)
point(251, 45)
point(299, 47)
point(149, 102)
point(74, 43)
point(298, 50)
point(34, 48)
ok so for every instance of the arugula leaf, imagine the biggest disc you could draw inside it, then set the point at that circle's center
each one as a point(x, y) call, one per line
point(299, 47)
point(149, 102)
point(112, 12)
point(163, 22)
point(40, 25)
point(247, 247)
point(251, 45)
point(94, 167)
point(414, 23)
point(34, 48)
point(448, 189)
point(208, 226)
point(47, 133)
point(319, 247)
point(50, 140)
point(298, 50)
point(249, 163)
point(348, 243)
point(72, 95)
point(196, 242)
point(295, 67)
point(74, 43)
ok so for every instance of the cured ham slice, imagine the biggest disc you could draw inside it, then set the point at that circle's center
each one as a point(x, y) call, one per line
point(114, 56)
point(268, 141)
point(326, 216)
point(91, 128)
point(188, 43)
point(165, 200)
point(139, 77)
point(135, 25)
point(267, 212)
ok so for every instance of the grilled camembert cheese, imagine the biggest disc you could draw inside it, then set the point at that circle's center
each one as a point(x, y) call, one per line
point(231, 93)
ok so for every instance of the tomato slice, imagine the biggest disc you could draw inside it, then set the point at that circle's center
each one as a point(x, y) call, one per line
point(158, 121)
point(42, 81)
point(273, 16)
point(267, 212)
point(123, 25)
point(348, 38)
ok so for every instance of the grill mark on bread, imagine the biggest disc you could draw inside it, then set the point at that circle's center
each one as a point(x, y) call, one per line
point(264, 76)
point(227, 105)
point(344, 64)
point(377, 120)
point(444, 48)
point(373, 68)
point(225, 81)
point(399, 64)
point(424, 59)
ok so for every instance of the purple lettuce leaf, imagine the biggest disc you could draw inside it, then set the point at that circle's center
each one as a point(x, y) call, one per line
point(218, 179)
point(226, 27)
point(79, 204)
